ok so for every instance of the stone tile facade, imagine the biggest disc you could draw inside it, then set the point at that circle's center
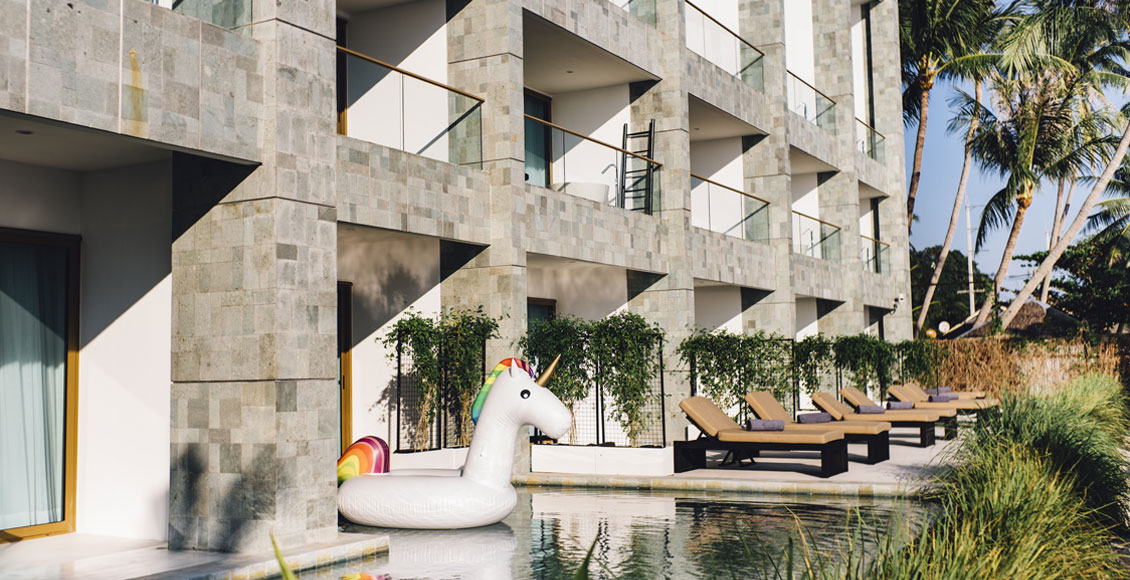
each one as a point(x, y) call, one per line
point(266, 179)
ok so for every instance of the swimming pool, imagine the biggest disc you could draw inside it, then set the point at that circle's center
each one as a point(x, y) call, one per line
point(641, 534)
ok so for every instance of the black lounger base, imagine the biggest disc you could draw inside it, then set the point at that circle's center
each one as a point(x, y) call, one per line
point(692, 454)
point(926, 435)
point(878, 446)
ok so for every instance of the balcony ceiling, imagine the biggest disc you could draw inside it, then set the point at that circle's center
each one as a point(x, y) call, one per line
point(359, 6)
point(558, 61)
point(802, 162)
point(709, 122)
point(25, 139)
point(868, 192)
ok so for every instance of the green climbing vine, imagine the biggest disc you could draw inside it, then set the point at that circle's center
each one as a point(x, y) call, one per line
point(445, 354)
point(865, 358)
point(812, 360)
point(919, 361)
point(624, 348)
point(729, 365)
point(567, 336)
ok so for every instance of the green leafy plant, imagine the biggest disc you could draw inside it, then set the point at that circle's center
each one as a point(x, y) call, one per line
point(728, 365)
point(625, 349)
point(919, 361)
point(812, 358)
point(867, 359)
point(567, 336)
point(445, 354)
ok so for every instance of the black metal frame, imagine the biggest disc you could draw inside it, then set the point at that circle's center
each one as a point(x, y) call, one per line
point(438, 439)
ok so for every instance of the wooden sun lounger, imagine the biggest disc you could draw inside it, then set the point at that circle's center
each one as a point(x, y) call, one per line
point(947, 416)
point(924, 421)
point(924, 396)
point(902, 393)
point(961, 395)
point(875, 434)
point(720, 432)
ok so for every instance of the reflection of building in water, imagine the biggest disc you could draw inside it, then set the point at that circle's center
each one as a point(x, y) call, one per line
point(630, 530)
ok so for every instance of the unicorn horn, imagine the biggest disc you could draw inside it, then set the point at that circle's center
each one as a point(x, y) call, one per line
point(544, 378)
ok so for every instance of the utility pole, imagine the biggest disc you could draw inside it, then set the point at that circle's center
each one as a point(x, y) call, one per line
point(969, 260)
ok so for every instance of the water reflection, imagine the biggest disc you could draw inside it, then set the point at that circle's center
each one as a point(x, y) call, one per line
point(638, 534)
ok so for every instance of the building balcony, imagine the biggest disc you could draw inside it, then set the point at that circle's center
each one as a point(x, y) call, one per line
point(717, 42)
point(384, 104)
point(815, 238)
point(729, 211)
point(808, 102)
point(567, 161)
point(875, 255)
point(869, 141)
point(641, 9)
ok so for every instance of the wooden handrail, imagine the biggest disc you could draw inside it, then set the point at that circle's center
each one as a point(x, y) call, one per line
point(817, 220)
point(750, 195)
point(873, 129)
point(805, 83)
point(411, 74)
point(726, 28)
point(870, 239)
point(597, 141)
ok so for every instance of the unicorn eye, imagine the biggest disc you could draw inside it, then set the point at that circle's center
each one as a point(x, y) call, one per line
point(525, 393)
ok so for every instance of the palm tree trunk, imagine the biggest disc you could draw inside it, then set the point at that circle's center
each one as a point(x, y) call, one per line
point(1006, 260)
point(919, 145)
point(1046, 266)
point(955, 215)
point(1061, 206)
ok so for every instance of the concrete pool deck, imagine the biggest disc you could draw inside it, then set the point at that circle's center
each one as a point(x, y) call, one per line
point(903, 475)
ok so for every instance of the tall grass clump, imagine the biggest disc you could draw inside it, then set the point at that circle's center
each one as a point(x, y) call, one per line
point(1035, 491)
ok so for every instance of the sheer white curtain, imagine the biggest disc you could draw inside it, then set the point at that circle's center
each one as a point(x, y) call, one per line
point(33, 351)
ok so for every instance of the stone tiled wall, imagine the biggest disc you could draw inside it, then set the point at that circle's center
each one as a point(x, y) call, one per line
point(135, 69)
point(721, 258)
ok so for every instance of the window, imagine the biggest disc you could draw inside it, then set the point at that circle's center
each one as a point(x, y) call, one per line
point(538, 152)
point(38, 382)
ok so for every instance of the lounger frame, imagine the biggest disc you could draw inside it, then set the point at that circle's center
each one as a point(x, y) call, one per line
point(692, 454)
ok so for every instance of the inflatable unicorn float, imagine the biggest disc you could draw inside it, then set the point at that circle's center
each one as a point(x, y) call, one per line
point(480, 494)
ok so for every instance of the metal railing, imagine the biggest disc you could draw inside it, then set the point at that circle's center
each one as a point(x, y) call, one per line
point(815, 238)
point(806, 101)
point(875, 255)
point(717, 43)
point(641, 9)
point(384, 104)
point(723, 209)
point(590, 168)
point(868, 140)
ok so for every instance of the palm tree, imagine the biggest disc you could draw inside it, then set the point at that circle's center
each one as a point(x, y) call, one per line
point(1112, 221)
point(936, 39)
point(1071, 50)
point(1040, 131)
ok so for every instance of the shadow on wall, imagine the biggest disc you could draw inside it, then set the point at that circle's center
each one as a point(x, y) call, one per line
point(222, 508)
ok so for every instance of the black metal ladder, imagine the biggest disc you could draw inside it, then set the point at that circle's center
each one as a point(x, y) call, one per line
point(636, 185)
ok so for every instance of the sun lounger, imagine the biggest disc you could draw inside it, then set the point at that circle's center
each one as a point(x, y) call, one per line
point(875, 433)
point(923, 420)
point(720, 432)
point(902, 393)
point(923, 395)
point(947, 416)
point(960, 394)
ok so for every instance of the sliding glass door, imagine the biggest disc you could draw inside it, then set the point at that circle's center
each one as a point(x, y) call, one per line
point(38, 358)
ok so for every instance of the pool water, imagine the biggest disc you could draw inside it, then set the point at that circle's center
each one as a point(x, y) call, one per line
point(638, 534)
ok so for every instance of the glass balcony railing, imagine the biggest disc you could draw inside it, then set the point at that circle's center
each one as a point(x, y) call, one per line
point(868, 140)
point(222, 13)
point(717, 43)
point(382, 104)
point(729, 211)
point(567, 161)
point(811, 104)
point(815, 238)
point(875, 255)
point(642, 9)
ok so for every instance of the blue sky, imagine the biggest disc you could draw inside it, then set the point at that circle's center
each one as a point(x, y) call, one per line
point(941, 168)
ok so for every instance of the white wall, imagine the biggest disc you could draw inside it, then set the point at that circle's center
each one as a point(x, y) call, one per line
point(125, 361)
point(598, 113)
point(715, 208)
point(590, 292)
point(799, 57)
point(718, 307)
point(124, 216)
point(391, 273)
point(806, 315)
point(389, 108)
point(806, 200)
point(859, 64)
point(866, 219)
point(711, 41)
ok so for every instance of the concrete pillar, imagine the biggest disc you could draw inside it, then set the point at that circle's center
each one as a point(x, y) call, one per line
point(254, 396)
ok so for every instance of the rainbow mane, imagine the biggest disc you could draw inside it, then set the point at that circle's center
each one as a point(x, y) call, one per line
point(501, 367)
